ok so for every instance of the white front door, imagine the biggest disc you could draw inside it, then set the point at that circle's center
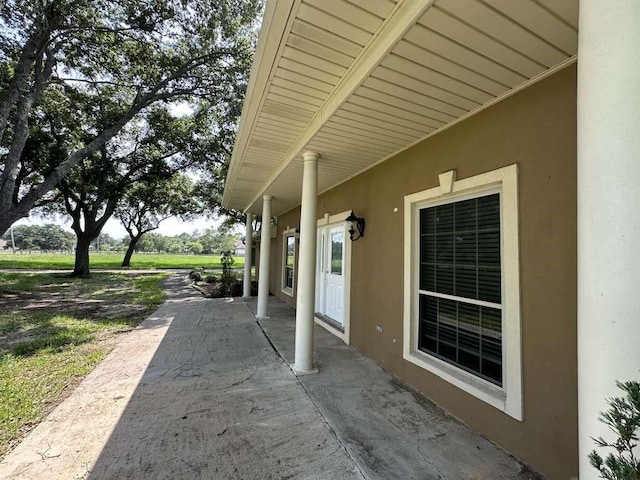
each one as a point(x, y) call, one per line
point(331, 268)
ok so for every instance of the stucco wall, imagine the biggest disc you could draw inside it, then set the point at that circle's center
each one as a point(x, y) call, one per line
point(537, 130)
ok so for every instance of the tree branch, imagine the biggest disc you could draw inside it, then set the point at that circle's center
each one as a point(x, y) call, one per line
point(61, 80)
point(32, 49)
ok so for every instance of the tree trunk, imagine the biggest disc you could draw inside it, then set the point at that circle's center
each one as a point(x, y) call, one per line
point(10, 217)
point(126, 261)
point(81, 268)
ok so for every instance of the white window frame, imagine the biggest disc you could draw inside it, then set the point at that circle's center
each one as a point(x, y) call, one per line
point(291, 232)
point(507, 398)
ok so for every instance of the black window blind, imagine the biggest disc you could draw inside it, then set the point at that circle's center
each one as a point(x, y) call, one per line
point(460, 257)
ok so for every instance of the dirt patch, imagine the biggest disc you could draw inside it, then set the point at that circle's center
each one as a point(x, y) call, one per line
point(65, 298)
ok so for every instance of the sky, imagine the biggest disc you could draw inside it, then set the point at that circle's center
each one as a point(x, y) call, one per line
point(170, 227)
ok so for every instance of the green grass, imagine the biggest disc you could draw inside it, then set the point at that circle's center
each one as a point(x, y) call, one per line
point(112, 261)
point(29, 383)
point(47, 347)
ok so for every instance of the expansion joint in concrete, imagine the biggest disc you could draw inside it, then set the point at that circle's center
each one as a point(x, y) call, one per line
point(315, 405)
point(332, 430)
point(269, 340)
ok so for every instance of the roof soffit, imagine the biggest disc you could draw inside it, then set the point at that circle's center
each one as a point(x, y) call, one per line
point(429, 65)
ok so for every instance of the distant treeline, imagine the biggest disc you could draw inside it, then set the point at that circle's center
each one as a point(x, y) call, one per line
point(47, 237)
point(51, 237)
point(210, 241)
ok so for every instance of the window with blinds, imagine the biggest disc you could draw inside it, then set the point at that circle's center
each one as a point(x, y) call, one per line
point(460, 304)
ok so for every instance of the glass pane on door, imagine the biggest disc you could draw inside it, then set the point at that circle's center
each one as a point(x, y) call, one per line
point(337, 248)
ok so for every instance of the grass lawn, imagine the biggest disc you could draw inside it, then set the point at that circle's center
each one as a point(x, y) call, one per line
point(54, 330)
point(113, 260)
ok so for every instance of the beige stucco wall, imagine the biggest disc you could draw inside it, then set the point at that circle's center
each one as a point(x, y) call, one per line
point(536, 129)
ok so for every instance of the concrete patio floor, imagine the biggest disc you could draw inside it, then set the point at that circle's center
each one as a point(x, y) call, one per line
point(198, 392)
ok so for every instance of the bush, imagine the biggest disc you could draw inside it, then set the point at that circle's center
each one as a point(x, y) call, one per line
point(211, 279)
point(229, 280)
point(623, 418)
point(195, 275)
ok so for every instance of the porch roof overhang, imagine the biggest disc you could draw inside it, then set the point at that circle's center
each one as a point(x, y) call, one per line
point(359, 81)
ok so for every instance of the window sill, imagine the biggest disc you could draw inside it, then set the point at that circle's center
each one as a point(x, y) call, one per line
point(479, 388)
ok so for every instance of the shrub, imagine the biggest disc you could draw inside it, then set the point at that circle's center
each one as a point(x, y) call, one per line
point(195, 275)
point(229, 278)
point(211, 279)
point(623, 418)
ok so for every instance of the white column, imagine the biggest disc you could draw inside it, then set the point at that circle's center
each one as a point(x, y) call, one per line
point(265, 261)
point(248, 243)
point(608, 211)
point(306, 286)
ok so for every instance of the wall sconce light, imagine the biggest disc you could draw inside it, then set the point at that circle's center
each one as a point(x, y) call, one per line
point(355, 223)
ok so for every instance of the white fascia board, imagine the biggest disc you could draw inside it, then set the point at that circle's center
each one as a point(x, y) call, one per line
point(276, 24)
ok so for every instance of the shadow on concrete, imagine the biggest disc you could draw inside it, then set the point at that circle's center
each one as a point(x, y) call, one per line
point(216, 402)
point(198, 392)
point(389, 429)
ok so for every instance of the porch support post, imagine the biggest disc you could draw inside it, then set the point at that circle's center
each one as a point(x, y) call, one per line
point(306, 287)
point(265, 261)
point(608, 212)
point(248, 243)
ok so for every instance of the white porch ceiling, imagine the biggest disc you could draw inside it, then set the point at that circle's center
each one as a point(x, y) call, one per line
point(360, 80)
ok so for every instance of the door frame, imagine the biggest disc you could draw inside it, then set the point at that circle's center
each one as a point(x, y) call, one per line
point(329, 221)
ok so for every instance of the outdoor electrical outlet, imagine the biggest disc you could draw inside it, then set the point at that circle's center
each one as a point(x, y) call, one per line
point(379, 328)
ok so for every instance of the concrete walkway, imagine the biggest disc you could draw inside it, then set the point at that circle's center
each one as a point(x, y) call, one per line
point(198, 392)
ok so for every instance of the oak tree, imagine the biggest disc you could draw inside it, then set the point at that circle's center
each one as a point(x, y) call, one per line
point(138, 52)
point(147, 204)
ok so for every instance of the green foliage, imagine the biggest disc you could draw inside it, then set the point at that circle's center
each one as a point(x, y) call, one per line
point(196, 275)
point(41, 237)
point(228, 279)
point(134, 175)
point(623, 418)
point(194, 247)
point(227, 261)
point(73, 73)
point(218, 241)
point(211, 241)
point(146, 204)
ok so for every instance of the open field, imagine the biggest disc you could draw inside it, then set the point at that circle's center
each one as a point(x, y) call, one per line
point(54, 330)
point(113, 260)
